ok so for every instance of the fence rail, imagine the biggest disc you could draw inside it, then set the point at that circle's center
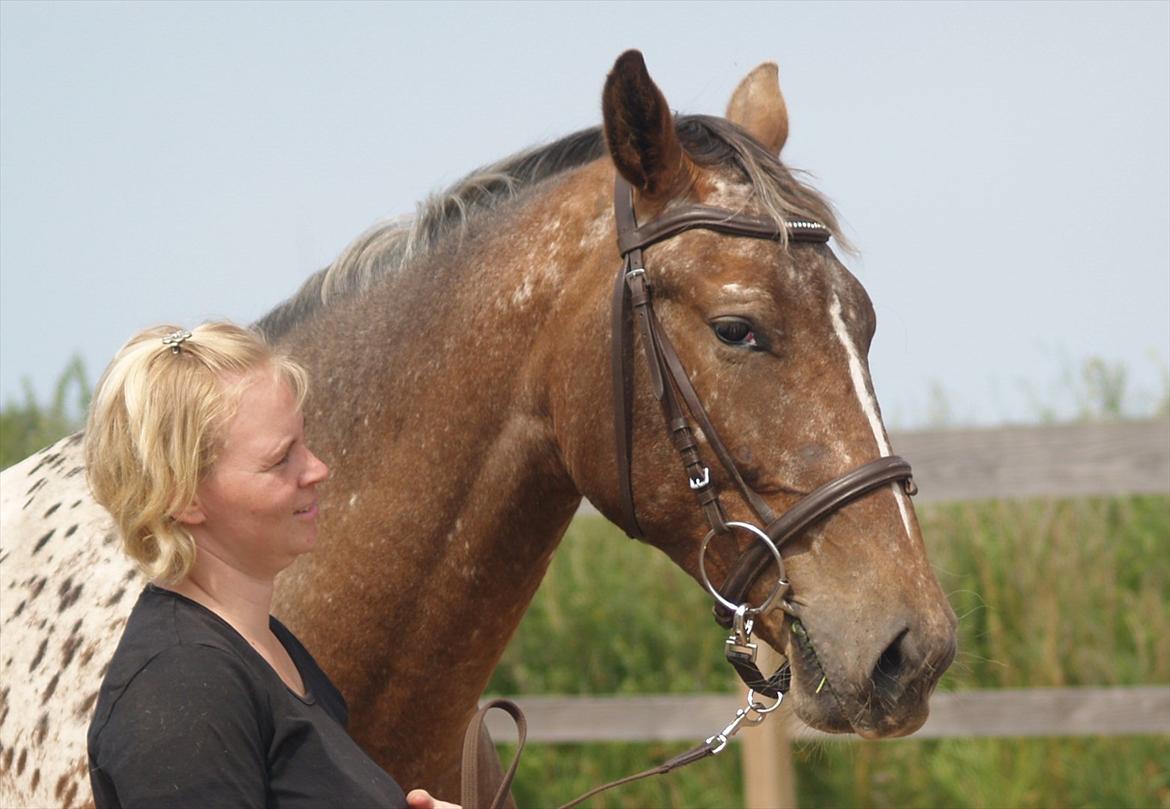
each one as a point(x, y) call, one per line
point(1119, 711)
point(1125, 457)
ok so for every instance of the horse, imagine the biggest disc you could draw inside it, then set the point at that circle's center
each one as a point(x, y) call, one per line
point(463, 394)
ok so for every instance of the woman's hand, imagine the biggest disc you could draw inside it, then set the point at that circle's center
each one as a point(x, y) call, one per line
point(421, 799)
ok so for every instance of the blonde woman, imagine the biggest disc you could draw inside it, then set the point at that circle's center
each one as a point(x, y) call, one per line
point(195, 444)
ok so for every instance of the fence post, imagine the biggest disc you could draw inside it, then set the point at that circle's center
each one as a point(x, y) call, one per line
point(768, 778)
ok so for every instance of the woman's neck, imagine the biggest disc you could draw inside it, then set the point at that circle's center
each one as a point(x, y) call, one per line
point(243, 600)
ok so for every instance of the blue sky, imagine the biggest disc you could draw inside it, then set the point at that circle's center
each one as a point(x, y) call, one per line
point(1003, 168)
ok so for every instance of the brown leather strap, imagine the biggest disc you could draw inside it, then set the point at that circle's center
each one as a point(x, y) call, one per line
point(473, 741)
point(698, 412)
point(474, 738)
point(769, 686)
point(812, 507)
point(697, 753)
point(677, 220)
point(632, 292)
point(623, 388)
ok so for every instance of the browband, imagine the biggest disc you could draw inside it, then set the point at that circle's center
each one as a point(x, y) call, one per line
point(675, 221)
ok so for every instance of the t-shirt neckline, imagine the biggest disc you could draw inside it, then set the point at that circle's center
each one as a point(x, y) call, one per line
point(307, 698)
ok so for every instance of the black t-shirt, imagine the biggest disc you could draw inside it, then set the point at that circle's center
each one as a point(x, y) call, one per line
point(190, 715)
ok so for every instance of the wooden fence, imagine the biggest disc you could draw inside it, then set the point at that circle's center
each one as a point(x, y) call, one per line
point(1126, 457)
point(1136, 710)
point(1131, 457)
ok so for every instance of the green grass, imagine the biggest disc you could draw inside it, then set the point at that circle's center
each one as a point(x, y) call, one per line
point(27, 426)
point(1025, 773)
point(1049, 593)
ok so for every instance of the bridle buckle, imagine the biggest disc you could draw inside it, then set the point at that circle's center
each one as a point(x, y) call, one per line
point(701, 481)
point(739, 647)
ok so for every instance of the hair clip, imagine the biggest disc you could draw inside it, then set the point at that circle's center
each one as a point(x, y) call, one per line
point(176, 339)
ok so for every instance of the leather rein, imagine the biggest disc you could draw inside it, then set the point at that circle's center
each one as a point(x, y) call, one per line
point(633, 301)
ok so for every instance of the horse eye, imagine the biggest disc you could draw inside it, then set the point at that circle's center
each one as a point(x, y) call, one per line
point(735, 332)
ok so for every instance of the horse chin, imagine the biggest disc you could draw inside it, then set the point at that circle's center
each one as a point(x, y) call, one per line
point(821, 706)
point(812, 700)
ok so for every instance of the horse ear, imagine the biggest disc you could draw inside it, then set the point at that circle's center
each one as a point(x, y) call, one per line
point(758, 107)
point(639, 130)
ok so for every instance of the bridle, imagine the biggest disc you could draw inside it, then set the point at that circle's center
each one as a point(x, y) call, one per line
point(632, 296)
point(669, 382)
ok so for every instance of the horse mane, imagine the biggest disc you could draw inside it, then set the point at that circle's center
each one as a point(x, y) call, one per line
point(392, 244)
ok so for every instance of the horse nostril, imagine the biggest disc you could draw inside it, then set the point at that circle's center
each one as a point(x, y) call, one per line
point(887, 672)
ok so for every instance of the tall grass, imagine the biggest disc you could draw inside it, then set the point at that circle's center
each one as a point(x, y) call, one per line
point(28, 425)
point(1056, 592)
point(1049, 593)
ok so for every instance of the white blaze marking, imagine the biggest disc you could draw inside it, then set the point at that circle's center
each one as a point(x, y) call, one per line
point(868, 406)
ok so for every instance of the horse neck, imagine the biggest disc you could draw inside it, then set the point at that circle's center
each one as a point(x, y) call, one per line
point(447, 495)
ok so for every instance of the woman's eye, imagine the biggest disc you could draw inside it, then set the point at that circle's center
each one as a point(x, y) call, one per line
point(735, 332)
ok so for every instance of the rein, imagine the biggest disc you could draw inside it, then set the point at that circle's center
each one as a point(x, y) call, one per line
point(632, 303)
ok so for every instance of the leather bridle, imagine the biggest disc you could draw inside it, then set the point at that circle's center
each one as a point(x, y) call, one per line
point(669, 382)
point(632, 295)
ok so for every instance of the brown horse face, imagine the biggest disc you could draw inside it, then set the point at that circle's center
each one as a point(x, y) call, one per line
point(793, 402)
point(775, 340)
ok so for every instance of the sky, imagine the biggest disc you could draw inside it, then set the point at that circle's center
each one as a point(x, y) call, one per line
point(1003, 168)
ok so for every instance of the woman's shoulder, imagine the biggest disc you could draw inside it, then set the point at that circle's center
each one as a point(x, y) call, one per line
point(173, 639)
point(163, 619)
point(171, 656)
point(159, 717)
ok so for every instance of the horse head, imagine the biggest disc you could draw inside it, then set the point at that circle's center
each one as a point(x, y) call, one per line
point(772, 334)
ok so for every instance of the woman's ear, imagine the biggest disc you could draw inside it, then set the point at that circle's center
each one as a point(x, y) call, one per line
point(191, 515)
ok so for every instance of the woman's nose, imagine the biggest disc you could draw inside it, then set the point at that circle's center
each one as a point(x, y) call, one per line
point(316, 471)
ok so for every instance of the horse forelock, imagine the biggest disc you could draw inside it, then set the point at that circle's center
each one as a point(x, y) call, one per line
point(392, 245)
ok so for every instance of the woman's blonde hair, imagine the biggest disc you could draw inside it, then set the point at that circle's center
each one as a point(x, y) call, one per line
point(156, 426)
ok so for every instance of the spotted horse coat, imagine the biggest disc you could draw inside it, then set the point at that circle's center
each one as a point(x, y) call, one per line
point(65, 593)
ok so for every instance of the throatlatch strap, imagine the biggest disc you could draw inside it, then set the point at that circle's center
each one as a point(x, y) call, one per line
point(623, 387)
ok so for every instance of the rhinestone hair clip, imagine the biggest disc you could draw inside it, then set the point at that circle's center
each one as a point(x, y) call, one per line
point(176, 339)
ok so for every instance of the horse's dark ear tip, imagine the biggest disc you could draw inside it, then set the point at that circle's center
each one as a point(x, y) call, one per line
point(630, 60)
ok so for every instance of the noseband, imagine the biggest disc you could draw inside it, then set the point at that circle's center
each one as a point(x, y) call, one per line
point(669, 381)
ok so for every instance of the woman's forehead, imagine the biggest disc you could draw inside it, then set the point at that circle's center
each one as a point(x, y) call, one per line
point(266, 411)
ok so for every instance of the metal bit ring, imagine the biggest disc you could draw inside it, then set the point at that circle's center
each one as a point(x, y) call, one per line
point(761, 708)
point(781, 585)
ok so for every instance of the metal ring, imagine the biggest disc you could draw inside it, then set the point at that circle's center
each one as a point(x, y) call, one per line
point(781, 585)
point(759, 707)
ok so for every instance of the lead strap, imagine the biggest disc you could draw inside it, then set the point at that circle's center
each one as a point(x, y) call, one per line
point(751, 714)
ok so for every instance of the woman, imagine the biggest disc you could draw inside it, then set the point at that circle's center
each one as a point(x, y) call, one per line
point(195, 444)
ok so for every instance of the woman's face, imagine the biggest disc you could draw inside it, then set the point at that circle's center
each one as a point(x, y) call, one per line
point(257, 507)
